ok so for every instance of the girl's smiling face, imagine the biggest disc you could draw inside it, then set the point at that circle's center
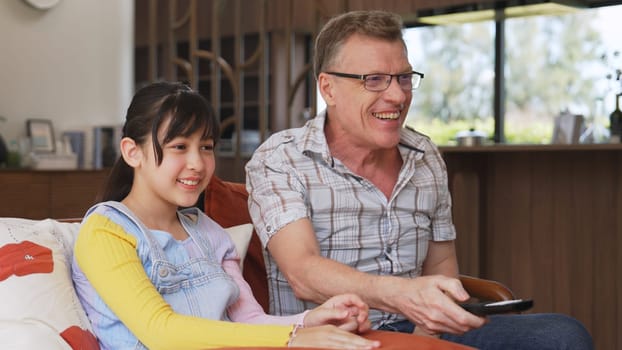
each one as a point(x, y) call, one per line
point(186, 167)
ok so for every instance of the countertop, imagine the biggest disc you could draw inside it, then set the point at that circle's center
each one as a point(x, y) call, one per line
point(530, 148)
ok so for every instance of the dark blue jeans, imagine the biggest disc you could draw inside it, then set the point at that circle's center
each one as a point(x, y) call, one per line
point(520, 332)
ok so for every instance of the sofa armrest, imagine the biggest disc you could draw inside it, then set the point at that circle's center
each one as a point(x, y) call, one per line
point(484, 289)
point(392, 341)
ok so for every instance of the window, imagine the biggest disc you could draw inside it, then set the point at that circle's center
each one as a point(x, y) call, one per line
point(552, 64)
point(457, 91)
point(561, 63)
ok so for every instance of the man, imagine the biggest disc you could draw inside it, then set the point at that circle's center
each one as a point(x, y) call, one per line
point(353, 202)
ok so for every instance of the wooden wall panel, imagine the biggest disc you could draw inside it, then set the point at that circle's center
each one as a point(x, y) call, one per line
point(467, 189)
point(15, 186)
point(562, 231)
point(602, 224)
point(616, 303)
point(581, 238)
point(551, 228)
point(73, 193)
point(48, 194)
point(304, 14)
point(465, 181)
point(541, 221)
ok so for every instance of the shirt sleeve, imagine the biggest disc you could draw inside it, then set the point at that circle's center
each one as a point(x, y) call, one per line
point(276, 197)
point(442, 223)
point(108, 258)
point(246, 309)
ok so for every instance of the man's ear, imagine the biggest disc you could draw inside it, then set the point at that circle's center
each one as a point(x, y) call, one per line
point(132, 154)
point(326, 86)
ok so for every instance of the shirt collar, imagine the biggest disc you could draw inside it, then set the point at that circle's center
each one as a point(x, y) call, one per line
point(413, 140)
point(314, 140)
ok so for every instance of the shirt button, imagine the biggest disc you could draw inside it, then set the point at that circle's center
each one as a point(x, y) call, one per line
point(269, 228)
point(163, 272)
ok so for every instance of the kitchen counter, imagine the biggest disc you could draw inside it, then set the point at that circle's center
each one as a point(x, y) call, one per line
point(546, 220)
point(533, 148)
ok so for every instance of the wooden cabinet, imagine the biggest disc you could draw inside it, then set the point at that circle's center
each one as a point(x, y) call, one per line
point(49, 194)
point(545, 221)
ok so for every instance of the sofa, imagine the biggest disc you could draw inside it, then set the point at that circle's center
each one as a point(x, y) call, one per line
point(40, 307)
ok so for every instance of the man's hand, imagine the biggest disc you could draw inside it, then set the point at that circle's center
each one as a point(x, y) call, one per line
point(430, 303)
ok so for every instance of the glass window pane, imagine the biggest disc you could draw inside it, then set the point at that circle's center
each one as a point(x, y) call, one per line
point(561, 63)
point(457, 91)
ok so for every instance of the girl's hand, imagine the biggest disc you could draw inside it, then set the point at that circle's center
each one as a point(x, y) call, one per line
point(330, 337)
point(346, 311)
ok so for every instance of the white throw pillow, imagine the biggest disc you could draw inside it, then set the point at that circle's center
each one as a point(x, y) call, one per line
point(30, 334)
point(241, 237)
point(36, 288)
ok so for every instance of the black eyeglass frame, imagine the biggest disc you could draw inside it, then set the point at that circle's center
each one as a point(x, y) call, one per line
point(363, 78)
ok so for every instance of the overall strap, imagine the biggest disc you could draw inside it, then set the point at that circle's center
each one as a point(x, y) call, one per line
point(155, 251)
point(193, 221)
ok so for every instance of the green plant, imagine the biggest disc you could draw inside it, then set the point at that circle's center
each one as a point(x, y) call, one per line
point(444, 133)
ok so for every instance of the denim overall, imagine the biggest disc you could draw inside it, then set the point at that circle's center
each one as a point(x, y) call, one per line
point(192, 285)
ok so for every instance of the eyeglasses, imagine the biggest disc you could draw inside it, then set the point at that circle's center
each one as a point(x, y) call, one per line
point(377, 82)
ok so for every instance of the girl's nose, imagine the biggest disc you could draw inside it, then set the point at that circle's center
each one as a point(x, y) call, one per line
point(195, 161)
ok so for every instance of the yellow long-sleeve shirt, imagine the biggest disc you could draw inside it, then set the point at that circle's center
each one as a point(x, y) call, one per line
point(108, 258)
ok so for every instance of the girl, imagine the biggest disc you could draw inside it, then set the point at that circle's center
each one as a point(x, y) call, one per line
point(152, 276)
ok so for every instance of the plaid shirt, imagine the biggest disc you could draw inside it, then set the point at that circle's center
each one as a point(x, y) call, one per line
point(293, 176)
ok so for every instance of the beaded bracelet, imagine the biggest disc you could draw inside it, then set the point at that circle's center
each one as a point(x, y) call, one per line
point(292, 334)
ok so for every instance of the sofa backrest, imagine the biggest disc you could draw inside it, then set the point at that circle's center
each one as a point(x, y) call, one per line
point(227, 204)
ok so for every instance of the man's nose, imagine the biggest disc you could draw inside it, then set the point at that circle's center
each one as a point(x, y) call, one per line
point(395, 91)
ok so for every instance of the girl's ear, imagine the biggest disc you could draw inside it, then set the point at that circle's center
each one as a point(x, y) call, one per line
point(131, 152)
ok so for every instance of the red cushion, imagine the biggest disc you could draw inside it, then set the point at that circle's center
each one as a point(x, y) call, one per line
point(226, 203)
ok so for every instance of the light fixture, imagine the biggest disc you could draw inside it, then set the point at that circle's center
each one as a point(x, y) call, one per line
point(457, 14)
point(545, 8)
point(42, 4)
point(488, 11)
point(458, 17)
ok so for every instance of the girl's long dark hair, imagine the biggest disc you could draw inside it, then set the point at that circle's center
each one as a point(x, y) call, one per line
point(188, 112)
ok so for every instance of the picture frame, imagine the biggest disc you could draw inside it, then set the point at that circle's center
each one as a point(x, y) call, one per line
point(41, 134)
point(567, 128)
